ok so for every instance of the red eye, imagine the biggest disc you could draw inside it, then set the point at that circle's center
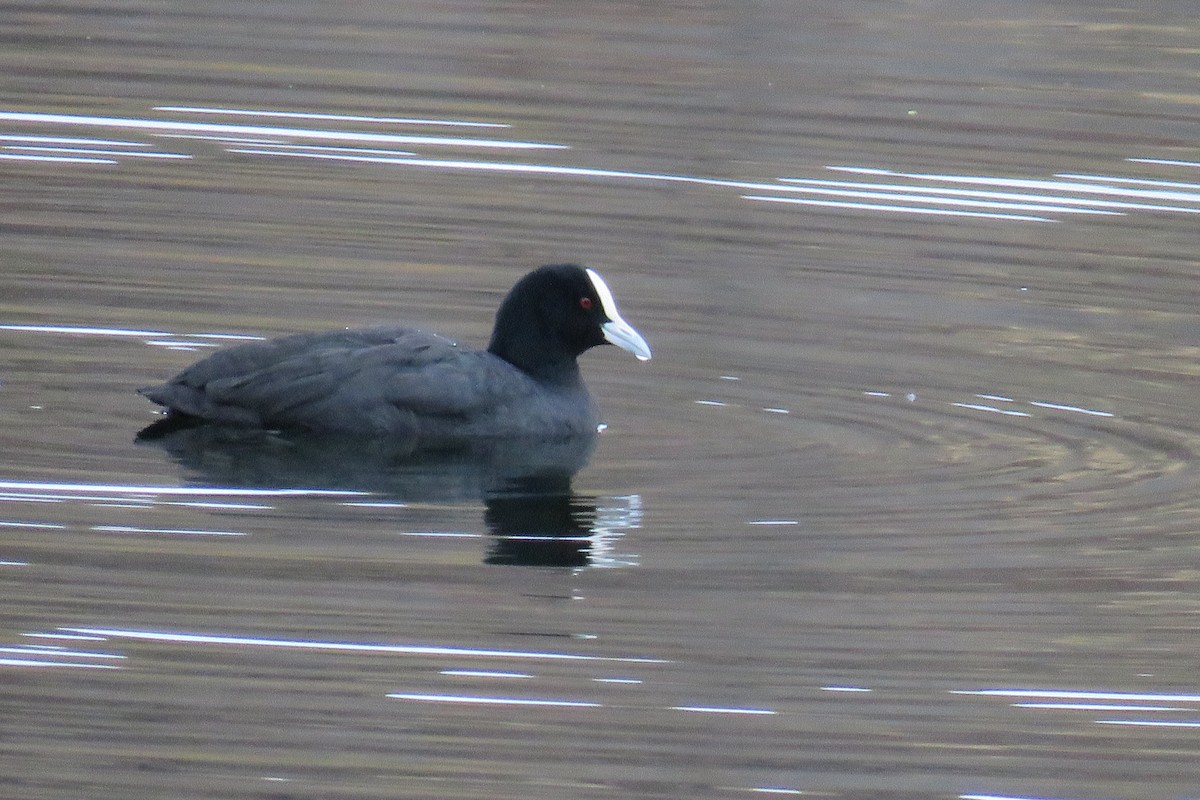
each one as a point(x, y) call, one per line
point(585, 303)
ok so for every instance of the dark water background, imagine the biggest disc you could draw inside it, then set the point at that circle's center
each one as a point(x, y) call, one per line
point(907, 504)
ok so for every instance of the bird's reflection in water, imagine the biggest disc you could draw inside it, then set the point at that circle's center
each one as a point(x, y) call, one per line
point(532, 512)
point(538, 521)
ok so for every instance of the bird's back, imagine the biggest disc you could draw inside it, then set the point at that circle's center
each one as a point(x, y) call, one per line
point(397, 381)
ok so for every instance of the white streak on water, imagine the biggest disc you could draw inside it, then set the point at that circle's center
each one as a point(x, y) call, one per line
point(980, 407)
point(493, 701)
point(82, 331)
point(70, 636)
point(482, 673)
point(170, 531)
point(1044, 185)
point(1165, 162)
point(263, 130)
point(246, 112)
point(1072, 694)
point(1147, 723)
point(1076, 409)
point(71, 140)
point(897, 209)
point(58, 652)
point(57, 159)
point(724, 710)
point(1096, 707)
point(225, 139)
point(355, 647)
point(223, 506)
point(241, 337)
point(172, 490)
point(1195, 187)
point(19, 662)
point(903, 193)
point(1029, 200)
point(378, 504)
point(90, 152)
point(318, 148)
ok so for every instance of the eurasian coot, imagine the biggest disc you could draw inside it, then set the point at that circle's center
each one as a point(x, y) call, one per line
point(417, 386)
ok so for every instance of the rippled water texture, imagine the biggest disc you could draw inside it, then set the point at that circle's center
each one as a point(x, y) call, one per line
point(906, 505)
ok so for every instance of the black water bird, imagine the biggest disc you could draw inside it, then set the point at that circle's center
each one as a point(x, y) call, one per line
point(415, 386)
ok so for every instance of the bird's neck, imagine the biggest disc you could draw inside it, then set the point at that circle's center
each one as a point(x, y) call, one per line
point(536, 357)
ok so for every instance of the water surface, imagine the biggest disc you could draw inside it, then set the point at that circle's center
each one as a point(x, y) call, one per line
point(905, 505)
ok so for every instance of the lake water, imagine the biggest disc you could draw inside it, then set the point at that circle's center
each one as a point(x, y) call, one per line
point(907, 504)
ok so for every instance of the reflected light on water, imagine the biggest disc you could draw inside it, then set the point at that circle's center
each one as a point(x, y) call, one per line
point(1004, 797)
point(522, 701)
point(360, 647)
point(1075, 409)
point(1193, 187)
point(244, 112)
point(155, 125)
point(57, 159)
point(1002, 198)
point(951, 197)
point(55, 655)
point(614, 517)
point(20, 662)
point(927, 210)
point(88, 151)
point(81, 331)
point(726, 710)
point(982, 407)
point(1168, 162)
point(317, 149)
point(169, 531)
point(160, 338)
point(1048, 185)
point(1008, 411)
point(200, 491)
point(70, 140)
point(81, 637)
point(1096, 707)
point(1131, 702)
point(222, 506)
point(492, 701)
point(1147, 723)
point(481, 673)
point(49, 650)
point(983, 197)
point(1081, 695)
